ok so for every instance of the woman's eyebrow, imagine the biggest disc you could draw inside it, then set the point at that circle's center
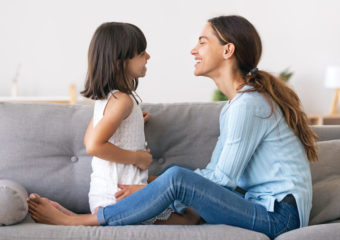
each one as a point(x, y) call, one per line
point(200, 38)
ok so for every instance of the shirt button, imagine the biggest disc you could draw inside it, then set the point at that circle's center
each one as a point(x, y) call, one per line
point(74, 159)
point(161, 160)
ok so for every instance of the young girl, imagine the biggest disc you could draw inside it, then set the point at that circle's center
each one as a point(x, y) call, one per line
point(115, 136)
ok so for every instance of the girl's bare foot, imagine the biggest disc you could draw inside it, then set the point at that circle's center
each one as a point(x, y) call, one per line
point(42, 211)
point(54, 204)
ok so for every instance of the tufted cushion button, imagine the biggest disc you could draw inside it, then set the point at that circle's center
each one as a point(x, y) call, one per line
point(74, 159)
point(161, 160)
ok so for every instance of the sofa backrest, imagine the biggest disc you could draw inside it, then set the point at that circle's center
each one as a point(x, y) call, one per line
point(41, 147)
point(41, 144)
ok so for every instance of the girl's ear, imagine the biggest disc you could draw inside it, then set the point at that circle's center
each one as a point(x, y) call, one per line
point(228, 50)
point(120, 62)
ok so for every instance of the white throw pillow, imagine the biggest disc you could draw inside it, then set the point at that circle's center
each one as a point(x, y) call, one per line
point(13, 205)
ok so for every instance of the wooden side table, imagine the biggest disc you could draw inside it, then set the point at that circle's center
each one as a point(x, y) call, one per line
point(71, 99)
point(319, 119)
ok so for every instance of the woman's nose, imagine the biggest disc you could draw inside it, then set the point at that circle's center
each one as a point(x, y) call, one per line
point(193, 51)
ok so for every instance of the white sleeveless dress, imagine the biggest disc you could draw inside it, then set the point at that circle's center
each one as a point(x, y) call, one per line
point(107, 175)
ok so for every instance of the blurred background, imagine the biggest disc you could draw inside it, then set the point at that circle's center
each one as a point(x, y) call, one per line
point(44, 44)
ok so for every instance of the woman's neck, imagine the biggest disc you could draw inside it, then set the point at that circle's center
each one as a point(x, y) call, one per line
point(228, 82)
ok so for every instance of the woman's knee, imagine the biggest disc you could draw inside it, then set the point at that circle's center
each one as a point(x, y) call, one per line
point(175, 172)
point(174, 165)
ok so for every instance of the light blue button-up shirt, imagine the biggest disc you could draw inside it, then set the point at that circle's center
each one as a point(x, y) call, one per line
point(260, 154)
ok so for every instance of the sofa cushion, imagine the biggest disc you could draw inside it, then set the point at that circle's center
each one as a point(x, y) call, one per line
point(13, 205)
point(329, 231)
point(326, 183)
point(30, 230)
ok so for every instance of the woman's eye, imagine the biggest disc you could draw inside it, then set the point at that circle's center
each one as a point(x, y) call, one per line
point(201, 43)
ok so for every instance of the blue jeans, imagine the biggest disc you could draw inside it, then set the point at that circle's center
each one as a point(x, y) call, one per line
point(214, 203)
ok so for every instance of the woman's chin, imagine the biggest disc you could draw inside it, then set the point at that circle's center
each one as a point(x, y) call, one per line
point(198, 73)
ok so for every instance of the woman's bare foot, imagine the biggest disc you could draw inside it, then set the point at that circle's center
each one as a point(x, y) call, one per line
point(42, 211)
point(54, 204)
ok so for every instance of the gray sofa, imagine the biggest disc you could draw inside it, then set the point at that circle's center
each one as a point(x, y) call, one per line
point(41, 148)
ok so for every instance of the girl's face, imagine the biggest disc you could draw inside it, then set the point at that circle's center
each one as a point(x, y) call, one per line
point(208, 53)
point(136, 66)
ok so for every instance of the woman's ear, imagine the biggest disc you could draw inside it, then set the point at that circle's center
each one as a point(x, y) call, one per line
point(228, 50)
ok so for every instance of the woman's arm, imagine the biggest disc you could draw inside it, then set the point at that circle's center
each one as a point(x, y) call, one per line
point(244, 128)
point(97, 138)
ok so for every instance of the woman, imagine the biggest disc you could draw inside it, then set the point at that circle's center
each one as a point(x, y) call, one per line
point(264, 147)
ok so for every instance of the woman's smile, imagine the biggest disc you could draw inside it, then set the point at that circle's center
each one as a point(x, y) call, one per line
point(198, 61)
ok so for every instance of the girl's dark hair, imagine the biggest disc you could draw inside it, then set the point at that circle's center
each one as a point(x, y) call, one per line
point(248, 49)
point(112, 44)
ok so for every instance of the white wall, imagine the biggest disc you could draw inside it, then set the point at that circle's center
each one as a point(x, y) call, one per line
point(50, 40)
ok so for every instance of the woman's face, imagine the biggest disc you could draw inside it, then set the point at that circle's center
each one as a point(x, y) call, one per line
point(136, 66)
point(208, 53)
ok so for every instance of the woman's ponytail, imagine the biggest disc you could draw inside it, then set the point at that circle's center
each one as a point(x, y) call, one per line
point(290, 106)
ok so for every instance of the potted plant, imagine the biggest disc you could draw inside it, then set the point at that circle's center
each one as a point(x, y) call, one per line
point(285, 75)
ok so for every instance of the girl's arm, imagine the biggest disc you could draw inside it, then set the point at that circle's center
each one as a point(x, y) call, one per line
point(97, 138)
point(127, 190)
point(146, 116)
point(88, 132)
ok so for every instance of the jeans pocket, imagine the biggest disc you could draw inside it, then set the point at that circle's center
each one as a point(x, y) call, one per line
point(286, 218)
point(291, 224)
point(281, 228)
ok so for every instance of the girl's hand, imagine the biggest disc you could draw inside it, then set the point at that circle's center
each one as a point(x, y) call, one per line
point(127, 190)
point(146, 116)
point(151, 178)
point(143, 159)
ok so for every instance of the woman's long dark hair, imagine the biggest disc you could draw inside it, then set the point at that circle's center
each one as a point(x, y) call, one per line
point(111, 46)
point(248, 49)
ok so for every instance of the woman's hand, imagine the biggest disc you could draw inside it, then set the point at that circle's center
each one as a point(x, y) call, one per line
point(127, 190)
point(146, 116)
point(143, 159)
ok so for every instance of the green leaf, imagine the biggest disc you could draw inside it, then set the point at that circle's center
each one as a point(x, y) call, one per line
point(285, 75)
point(219, 96)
